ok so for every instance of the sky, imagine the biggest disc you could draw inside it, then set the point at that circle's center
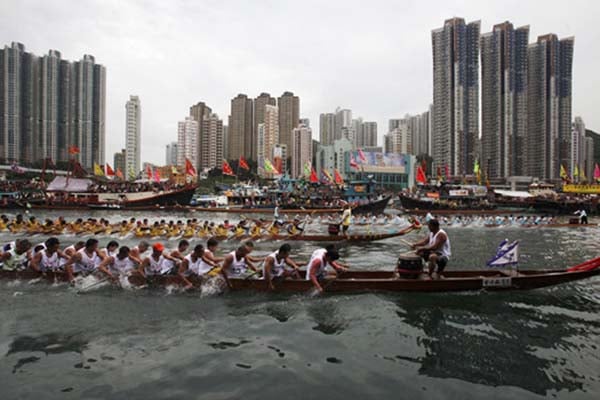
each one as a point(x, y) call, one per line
point(371, 57)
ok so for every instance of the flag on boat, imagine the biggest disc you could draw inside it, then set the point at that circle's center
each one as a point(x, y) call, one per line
point(353, 163)
point(327, 176)
point(98, 170)
point(156, 175)
point(132, 174)
point(307, 168)
point(447, 172)
point(507, 254)
point(338, 177)
point(268, 166)
point(74, 150)
point(576, 172)
point(108, 170)
point(440, 178)
point(313, 176)
point(227, 168)
point(174, 170)
point(243, 164)
point(16, 169)
point(582, 174)
point(119, 174)
point(563, 172)
point(189, 168)
point(421, 178)
point(596, 172)
point(149, 171)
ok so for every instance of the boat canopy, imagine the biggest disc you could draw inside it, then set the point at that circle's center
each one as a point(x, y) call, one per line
point(513, 193)
point(64, 184)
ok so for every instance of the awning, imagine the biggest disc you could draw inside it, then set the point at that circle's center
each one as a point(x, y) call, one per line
point(64, 184)
point(513, 193)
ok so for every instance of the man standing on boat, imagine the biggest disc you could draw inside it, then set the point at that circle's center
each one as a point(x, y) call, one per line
point(434, 248)
point(583, 219)
point(346, 219)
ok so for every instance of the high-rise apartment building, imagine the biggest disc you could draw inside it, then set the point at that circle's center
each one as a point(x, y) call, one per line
point(550, 67)
point(187, 141)
point(578, 150)
point(504, 100)
point(326, 128)
point(301, 150)
point(48, 104)
point(133, 135)
point(365, 134)
point(171, 154)
point(343, 119)
point(268, 134)
point(211, 136)
point(259, 117)
point(119, 162)
point(239, 136)
point(200, 112)
point(456, 95)
point(289, 117)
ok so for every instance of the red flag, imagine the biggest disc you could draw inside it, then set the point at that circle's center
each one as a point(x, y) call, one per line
point(189, 168)
point(421, 175)
point(361, 156)
point(338, 178)
point(447, 172)
point(149, 171)
point(313, 176)
point(243, 164)
point(156, 175)
point(108, 171)
point(439, 173)
point(353, 163)
point(120, 174)
point(227, 169)
point(74, 150)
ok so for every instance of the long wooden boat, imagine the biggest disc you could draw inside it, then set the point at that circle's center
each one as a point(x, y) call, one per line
point(540, 226)
point(379, 281)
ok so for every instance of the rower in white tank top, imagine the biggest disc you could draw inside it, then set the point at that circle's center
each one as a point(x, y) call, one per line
point(321, 268)
point(155, 267)
point(195, 267)
point(110, 253)
point(87, 263)
point(238, 267)
point(51, 263)
point(121, 267)
point(278, 268)
point(445, 251)
point(205, 267)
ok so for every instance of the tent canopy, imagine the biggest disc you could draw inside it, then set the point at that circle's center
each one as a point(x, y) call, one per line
point(64, 184)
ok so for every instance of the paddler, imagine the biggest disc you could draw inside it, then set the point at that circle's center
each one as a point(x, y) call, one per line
point(346, 219)
point(85, 260)
point(274, 266)
point(154, 263)
point(74, 248)
point(316, 271)
point(48, 259)
point(118, 264)
point(111, 249)
point(16, 255)
point(236, 264)
point(196, 264)
point(174, 258)
point(294, 227)
point(434, 248)
point(137, 252)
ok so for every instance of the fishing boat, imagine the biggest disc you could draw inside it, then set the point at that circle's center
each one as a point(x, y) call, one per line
point(376, 281)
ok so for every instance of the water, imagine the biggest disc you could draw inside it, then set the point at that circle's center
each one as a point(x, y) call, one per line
point(112, 343)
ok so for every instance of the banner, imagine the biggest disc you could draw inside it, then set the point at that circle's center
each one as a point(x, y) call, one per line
point(584, 189)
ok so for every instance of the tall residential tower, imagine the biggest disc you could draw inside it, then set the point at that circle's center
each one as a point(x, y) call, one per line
point(133, 128)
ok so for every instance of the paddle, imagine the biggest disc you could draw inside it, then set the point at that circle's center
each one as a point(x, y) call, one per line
point(87, 288)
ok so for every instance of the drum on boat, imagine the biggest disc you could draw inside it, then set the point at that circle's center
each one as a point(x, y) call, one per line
point(410, 265)
point(333, 229)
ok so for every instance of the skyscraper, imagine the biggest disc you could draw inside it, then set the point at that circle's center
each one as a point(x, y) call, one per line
point(259, 117)
point(171, 154)
point(211, 136)
point(268, 134)
point(343, 119)
point(48, 104)
point(326, 128)
point(578, 150)
point(187, 141)
point(289, 117)
point(365, 134)
point(301, 151)
point(550, 66)
point(456, 95)
point(239, 135)
point(200, 112)
point(133, 122)
point(504, 100)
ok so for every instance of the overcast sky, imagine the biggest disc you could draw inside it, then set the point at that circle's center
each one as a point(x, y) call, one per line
point(372, 57)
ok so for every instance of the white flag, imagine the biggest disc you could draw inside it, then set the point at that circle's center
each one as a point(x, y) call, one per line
point(507, 254)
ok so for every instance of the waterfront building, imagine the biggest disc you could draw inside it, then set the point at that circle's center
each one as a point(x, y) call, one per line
point(327, 128)
point(133, 122)
point(187, 141)
point(455, 120)
point(504, 100)
point(239, 136)
point(301, 151)
point(260, 104)
point(211, 137)
point(289, 117)
point(171, 158)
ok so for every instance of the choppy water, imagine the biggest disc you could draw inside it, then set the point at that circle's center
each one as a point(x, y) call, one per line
point(123, 344)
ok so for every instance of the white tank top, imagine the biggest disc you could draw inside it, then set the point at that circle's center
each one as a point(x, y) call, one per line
point(87, 263)
point(16, 261)
point(237, 267)
point(194, 267)
point(156, 266)
point(49, 263)
point(318, 254)
point(445, 250)
point(111, 253)
point(122, 266)
point(204, 266)
point(278, 266)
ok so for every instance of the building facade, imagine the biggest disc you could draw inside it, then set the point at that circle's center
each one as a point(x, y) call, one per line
point(133, 136)
point(455, 95)
point(301, 151)
point(326, 128)
point(48, 104)
point(268, 134)
point(187, 141)
point(239, 136)
point(211, 137)
point(171, 154)
point(119, 162)
point(260, 104)
point(504, 100)
point(578, 145)
point(289, 117)
point(200, 112)
point(550, 74)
